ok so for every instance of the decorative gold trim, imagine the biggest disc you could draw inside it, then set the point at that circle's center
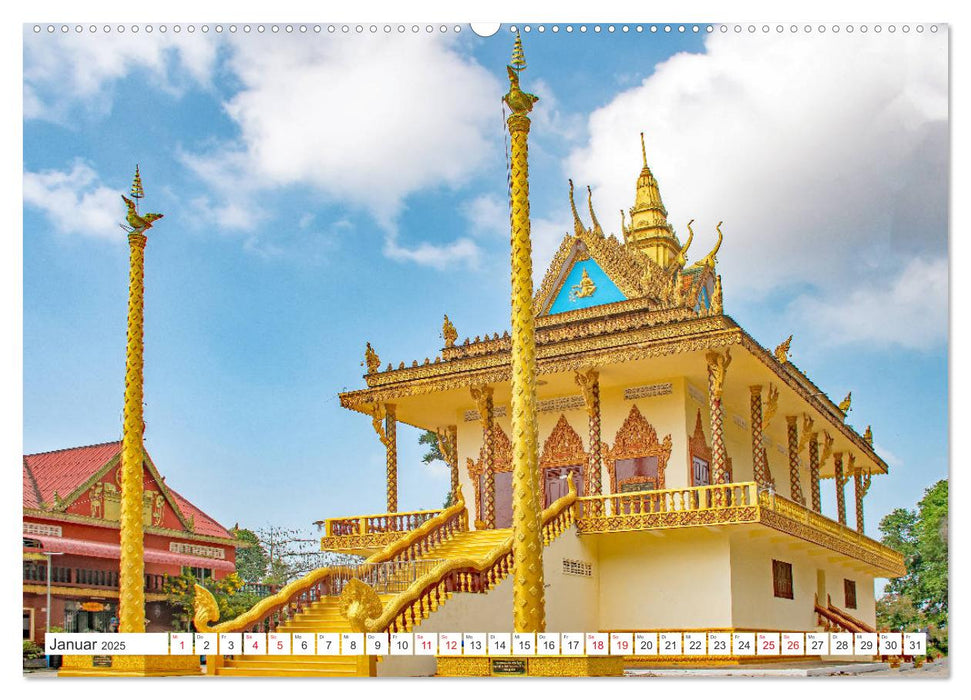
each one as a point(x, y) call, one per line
point(637, 438)
point(698, 447)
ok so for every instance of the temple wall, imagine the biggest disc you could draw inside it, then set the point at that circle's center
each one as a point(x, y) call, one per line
point(754, 604)
point(675, 579)
point(665, 413)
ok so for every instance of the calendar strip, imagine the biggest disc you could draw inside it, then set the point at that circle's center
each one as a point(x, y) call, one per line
point(667, 644)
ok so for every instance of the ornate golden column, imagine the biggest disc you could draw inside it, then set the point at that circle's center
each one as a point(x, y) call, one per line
point(448, 446)
point(529, 608)
point(814, 470)
point(760, 472)
point(589, 383)
point(840, 483)
point(795, 484)
point(391, 455)
point(483, 400)
point(861, 484)
point(131, 576)
point(717, 367)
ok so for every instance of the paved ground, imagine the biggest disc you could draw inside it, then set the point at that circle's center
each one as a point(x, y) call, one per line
point(939, 671)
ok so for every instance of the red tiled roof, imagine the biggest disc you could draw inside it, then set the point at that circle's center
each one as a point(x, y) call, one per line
point(64, 470)
point(203, 524)
point(104, 550)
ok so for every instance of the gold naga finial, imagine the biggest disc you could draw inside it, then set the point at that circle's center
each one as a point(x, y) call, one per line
point(623, 225)
point(710, 259)
point(868, 436)
point(844, 405)
point(449, 333)
point(519, 102)
point(593, 217)
point(681, 259)
point(136, 222)
point(578, 227)
point(371, 359)
point(782, 350)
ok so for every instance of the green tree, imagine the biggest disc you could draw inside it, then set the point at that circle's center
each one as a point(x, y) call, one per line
point(919, 599)
point(251, 558)
point(430, 440)
point(432, 453)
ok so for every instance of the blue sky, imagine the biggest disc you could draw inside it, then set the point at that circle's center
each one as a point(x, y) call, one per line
point(321, 191)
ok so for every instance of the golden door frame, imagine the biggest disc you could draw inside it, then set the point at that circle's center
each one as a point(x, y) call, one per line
point(563, 448)
point(637, 438)
point(501, 462)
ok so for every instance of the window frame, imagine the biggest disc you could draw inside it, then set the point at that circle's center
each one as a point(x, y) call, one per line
point(782, 588)
point(849, 594)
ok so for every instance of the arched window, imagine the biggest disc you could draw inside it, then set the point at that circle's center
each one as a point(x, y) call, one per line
point(637, 459)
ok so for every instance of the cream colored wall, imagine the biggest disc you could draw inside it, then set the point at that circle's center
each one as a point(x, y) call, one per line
point(754, 605)
point(572, 601)
point(672, 579)
point(664, 413)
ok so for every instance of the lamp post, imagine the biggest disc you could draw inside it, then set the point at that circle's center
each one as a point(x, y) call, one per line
point(47, 616)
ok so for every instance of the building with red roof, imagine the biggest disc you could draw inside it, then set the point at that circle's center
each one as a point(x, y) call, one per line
point(71, 508)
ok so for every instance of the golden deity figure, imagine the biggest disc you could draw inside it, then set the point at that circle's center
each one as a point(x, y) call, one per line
point(585, 288)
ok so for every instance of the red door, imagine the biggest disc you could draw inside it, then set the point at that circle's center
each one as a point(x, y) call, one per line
point(557, 484)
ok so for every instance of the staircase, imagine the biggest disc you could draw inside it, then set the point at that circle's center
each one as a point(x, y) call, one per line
point(836, 620)
point(412, 579)
point(322, 616)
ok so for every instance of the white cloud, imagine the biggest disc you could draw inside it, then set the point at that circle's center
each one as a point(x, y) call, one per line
point(460, 251)
point(66, 71)
point(908, 310)
point(488, 216)
point(366, 120)
point(75, 201)
point(825, 156)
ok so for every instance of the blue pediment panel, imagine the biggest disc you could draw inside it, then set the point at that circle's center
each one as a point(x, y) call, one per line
point(585, 285)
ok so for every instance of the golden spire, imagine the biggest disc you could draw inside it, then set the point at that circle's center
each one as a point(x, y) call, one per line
point(518, 57)
point(578, 226)
point(136, 186)
point(649, 229)
point(596, 224)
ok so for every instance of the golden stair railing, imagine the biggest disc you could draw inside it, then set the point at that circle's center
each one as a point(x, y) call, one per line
point(271, 612)
point(362, 607)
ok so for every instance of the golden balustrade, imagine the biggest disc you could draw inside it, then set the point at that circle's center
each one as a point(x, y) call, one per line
point(379, 522)
point(461, 575)
point(729, 504)
point(669, 508)
point(782, 514)
point(389, 564)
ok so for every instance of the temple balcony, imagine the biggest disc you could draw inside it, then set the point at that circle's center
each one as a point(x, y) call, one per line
point(366, 534)
point(738, 504)
point(70, 578)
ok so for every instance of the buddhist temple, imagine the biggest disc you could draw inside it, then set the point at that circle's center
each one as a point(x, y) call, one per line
point(680, 463)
